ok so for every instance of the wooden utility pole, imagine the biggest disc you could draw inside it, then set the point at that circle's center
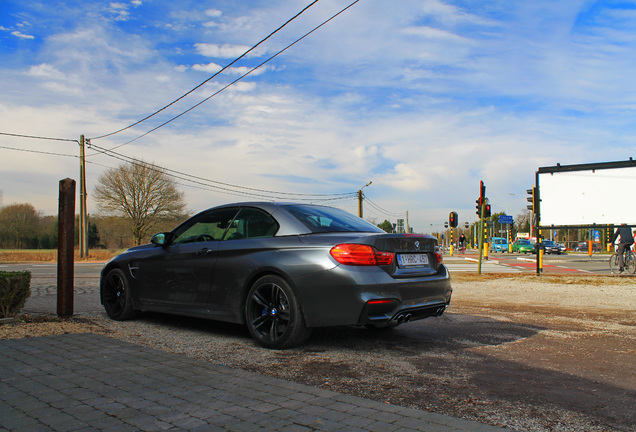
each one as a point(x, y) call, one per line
point(65, 248)
point(360, 197)
point(83, 217)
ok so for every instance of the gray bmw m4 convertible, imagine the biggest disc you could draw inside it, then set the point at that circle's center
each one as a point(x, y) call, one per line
point(281, 269)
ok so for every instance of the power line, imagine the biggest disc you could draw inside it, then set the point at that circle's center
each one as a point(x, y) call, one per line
point(380, 209)
point(226, 187)
point(38, 137)
point(241, 77)
point(212, 77)
point(39, 152)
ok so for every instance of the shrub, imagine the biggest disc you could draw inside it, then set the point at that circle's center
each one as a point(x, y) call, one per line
point(15, 289)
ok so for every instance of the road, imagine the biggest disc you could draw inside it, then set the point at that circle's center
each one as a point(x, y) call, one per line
point(49, 270)
point(570, 263)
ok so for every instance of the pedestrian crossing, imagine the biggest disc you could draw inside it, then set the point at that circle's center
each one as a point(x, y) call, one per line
point(472, 266)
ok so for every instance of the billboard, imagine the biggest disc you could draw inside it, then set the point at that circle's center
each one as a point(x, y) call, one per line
point(587, 195)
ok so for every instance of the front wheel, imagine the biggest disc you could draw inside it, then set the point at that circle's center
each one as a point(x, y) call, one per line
point(116, 296)
point(273, 314)
point(614, 263)
point(630, 263)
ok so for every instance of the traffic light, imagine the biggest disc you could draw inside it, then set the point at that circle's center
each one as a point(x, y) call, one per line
point(532, 199)
point(482, 197)
point(487, 211)
point(452, 219)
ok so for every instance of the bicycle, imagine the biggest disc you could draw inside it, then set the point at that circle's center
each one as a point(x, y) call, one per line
point(628, 258)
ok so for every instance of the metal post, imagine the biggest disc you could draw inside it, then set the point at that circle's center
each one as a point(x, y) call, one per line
point(481, 235)
point(408, 228)
point(65, 248)
point(537, 223)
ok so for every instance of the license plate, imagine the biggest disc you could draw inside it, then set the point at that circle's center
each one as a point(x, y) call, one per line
point(412, 260)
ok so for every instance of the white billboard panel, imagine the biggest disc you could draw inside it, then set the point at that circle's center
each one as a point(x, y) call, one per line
point(588, 197)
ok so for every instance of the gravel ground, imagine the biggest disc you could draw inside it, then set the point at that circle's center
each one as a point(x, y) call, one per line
point(532, 354)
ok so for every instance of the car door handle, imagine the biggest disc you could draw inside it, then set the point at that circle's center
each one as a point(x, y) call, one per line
point(204, 251)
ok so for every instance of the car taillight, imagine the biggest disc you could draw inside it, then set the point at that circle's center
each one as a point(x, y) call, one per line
point(362, 255)
point(438, 255)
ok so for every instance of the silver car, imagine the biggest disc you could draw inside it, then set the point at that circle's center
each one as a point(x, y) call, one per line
point(281, 269)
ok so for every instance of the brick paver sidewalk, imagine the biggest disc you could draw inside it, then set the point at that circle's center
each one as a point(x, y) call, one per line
point(82, 382)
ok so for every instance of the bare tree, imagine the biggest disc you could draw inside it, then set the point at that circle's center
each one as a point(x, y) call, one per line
point(141, 192)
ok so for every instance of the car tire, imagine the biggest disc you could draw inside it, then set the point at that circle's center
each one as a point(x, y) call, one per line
point(273, 314)
point(116, 296)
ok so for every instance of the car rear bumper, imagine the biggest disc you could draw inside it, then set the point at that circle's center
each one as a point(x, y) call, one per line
point(359, 288)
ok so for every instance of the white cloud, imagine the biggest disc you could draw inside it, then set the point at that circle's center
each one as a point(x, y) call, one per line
point(220, 51)
point(21, 35)
point(210, 67)
point(44, 70)
point(119, 11)
point(214, 13)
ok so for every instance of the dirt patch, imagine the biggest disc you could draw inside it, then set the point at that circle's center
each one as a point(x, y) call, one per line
point(528, 353)
point(34, 326)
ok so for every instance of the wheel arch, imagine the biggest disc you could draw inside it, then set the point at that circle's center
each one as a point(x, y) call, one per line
point(124, 269)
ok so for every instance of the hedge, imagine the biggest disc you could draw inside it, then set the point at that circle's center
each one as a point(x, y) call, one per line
point(15, 289)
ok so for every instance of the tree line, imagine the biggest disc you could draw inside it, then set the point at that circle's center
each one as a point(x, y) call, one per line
point(23, 227)
point(134, 201)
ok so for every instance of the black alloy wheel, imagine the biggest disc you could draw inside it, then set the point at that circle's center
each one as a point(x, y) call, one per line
point(273, 314)
point(115, 296)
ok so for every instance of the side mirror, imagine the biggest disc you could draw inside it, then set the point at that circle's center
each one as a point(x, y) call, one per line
point(159, 239)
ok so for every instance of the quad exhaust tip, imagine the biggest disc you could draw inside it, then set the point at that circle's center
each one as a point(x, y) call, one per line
point(404, 318)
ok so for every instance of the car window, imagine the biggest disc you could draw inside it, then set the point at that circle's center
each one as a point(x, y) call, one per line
point(328, 219)
point(207, 226)
point(251, 223)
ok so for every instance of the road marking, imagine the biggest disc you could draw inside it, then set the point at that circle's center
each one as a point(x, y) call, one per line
point(486, 267)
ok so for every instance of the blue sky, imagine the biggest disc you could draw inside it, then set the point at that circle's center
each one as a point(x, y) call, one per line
point(424, 98)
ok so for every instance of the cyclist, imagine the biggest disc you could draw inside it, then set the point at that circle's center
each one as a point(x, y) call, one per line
point(462, 243)
point(626, 241)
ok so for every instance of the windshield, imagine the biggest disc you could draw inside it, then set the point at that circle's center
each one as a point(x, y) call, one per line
point(328, 219)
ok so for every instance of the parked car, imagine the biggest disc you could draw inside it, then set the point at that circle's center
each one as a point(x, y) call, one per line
point(280, 269)
point(522, 246)
point(498, 244)
point(550, 247)
point(583, 247)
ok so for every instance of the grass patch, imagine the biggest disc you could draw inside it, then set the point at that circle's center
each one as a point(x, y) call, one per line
point(50, 255)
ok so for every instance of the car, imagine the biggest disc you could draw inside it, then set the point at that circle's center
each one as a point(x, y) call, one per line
point(583, 247)
point(522, 246)
point(550, 247)
point(498, 244)
point(281, 269)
